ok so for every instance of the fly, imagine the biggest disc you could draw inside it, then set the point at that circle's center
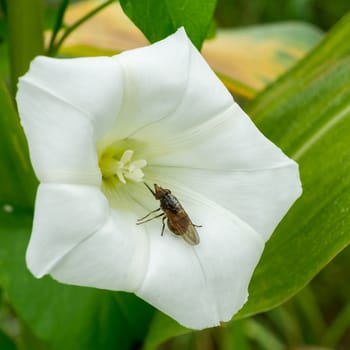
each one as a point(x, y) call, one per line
point(177, 219)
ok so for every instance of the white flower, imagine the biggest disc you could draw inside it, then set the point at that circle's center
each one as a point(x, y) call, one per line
point(99, 127)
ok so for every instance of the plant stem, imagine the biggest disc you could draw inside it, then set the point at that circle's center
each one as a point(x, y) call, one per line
point(25, 35)
point(75, 25)
point(58, 24)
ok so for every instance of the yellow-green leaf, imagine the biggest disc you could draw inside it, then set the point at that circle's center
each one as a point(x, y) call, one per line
point(246, 60)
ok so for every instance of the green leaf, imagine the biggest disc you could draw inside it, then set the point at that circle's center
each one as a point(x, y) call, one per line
point(66, 317)
point(4, 63)
point(158, 19)
point(6, 343)
point(17, 180)
point(307, 113)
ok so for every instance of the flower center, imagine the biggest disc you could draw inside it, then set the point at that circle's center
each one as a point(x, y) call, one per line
point(116, 169)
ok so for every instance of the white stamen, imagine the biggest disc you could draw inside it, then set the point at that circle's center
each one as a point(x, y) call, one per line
point(135, 175)
point(126, 168)
point(126, 157)
point(120, 176)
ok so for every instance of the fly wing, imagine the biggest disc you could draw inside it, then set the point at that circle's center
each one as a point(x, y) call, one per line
point(181, 225)
point(191, 235)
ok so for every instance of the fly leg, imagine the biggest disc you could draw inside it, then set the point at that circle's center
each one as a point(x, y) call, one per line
point(163, 227)
point(146, 216)
point(154, 217)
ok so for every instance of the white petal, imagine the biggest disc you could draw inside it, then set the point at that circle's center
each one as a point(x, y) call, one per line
point(65, 215)
point(92, 85)
point(198, 286)
point(201, 285)
point(258, 197)
point(79, 240)
point(228, 141)
point(184, 93)
point(208, 130)
point(158, 79)
point(61, 139)
point(114, 258)
point(229, 161)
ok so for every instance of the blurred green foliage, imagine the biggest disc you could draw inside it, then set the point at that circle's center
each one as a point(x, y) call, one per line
point(322, 13)
point(236, 13)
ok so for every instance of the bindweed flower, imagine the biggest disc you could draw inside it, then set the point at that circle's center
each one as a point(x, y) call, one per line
point(99, 127)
